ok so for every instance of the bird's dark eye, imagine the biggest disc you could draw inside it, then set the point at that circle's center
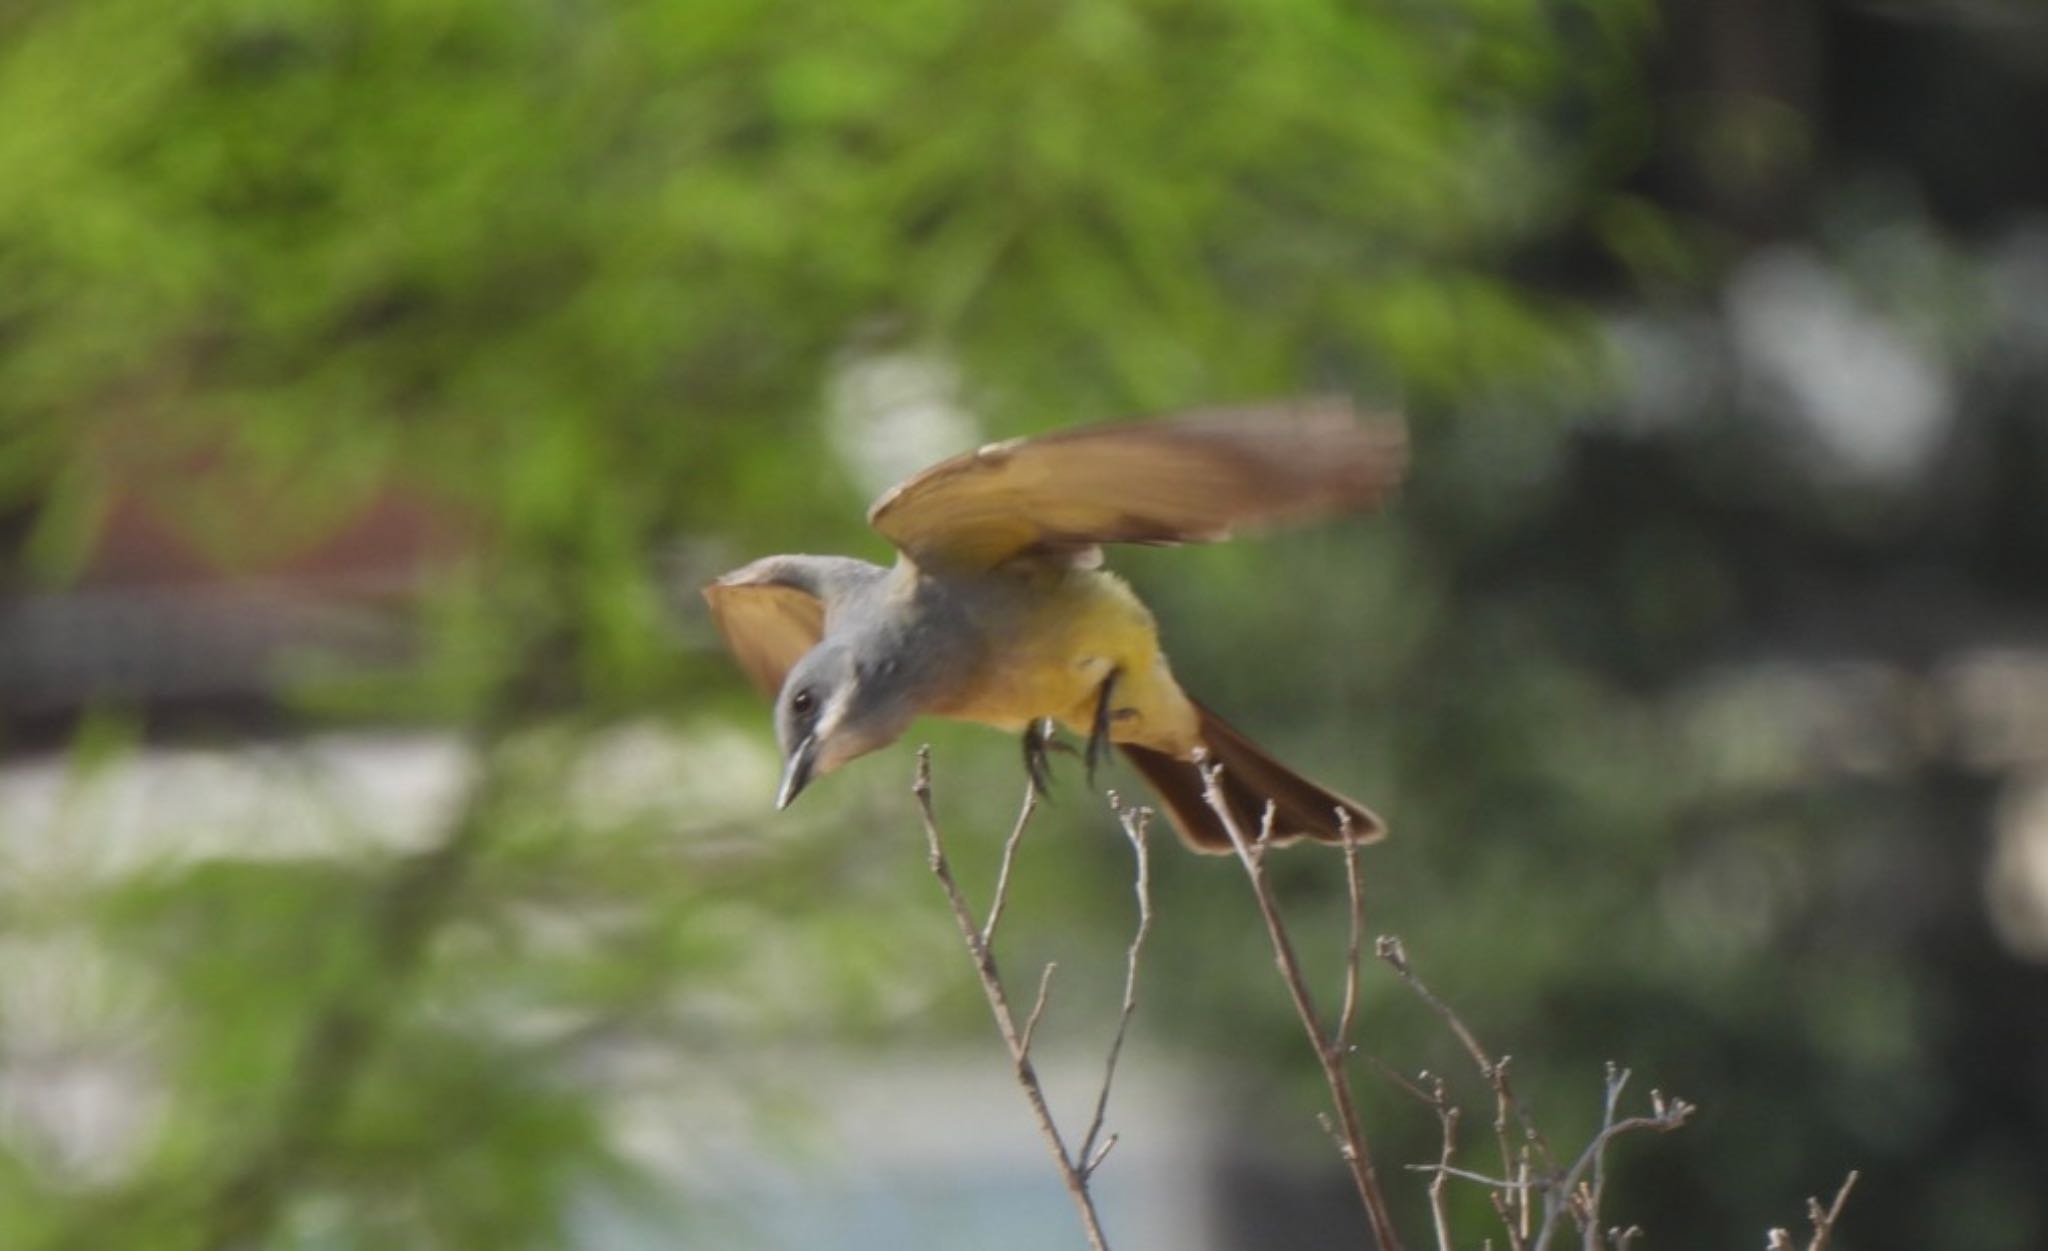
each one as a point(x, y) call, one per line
point(803, 702)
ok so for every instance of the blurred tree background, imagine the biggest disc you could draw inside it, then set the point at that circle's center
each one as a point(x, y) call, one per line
point(389, 854)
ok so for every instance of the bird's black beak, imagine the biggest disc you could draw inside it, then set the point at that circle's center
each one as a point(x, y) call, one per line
point(796, 773)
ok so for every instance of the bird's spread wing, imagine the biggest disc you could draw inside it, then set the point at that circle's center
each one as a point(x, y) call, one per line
point(1189, 479)
point(768, 622)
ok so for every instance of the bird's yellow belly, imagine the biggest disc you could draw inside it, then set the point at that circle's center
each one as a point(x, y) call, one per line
point(1051, 659)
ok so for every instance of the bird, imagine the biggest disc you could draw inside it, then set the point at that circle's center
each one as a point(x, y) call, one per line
point(998, 609)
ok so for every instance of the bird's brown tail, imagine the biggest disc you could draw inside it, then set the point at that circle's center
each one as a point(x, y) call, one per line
point(1251, 779)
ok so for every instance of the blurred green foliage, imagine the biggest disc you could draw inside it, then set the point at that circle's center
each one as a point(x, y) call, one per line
point(586, 269)
point(584, 276)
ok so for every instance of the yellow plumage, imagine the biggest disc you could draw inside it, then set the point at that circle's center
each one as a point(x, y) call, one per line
point(1077, 626)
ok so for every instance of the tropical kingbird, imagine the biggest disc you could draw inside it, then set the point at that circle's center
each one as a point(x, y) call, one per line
point(998, 611)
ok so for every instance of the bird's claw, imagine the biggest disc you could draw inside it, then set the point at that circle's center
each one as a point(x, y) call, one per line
point(1037, 738)
point(1098, 731)
point(1040, 741)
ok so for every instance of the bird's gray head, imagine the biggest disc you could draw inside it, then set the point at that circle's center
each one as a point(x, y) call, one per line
point(836, 705)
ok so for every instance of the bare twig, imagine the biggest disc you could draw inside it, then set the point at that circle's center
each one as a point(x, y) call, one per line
point(1330, 1048)
point(1075, 1167)
point(995, 907)
point(1823, 1220)
point(1464, 1174)
point(1572, 1193)
point(1447, 1117)
point(1101, 1153)
point(1438, 1099)
point(1401, 1083)
point(1038, 1001)
point(1134, 822)
point(1513, 1204)
point(1505, 1207)
point(1355, 933)
point(1530, 1171)
point(1507, 1108)
point(1617, 1078)
point(999, 1005)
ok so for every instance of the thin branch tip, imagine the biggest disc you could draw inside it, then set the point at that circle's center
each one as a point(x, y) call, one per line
point(1388, 948)
point(1076, 1167)
point(1329, 1047)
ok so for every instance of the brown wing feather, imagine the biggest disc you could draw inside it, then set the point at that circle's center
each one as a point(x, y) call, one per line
point(769, 626)
point(1194, 478)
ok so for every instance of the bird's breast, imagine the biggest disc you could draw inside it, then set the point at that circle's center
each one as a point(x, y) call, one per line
point(1051, 638)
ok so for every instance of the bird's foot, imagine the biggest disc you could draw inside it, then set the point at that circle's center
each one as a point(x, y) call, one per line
point(1098, 731)
point(1037, 740)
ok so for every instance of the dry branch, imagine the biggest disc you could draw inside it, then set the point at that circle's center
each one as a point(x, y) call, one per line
point(1076, 1168)
point(1533, 1194)
point(1822, 1218)
point(1572, 1193)
point(1564, 1192)
point(1331, 1047)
